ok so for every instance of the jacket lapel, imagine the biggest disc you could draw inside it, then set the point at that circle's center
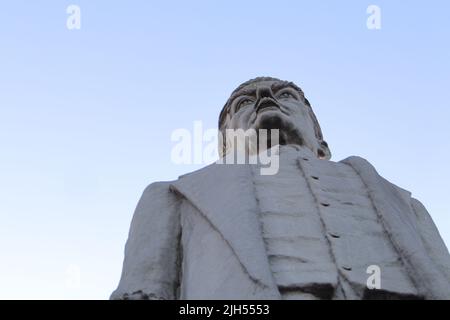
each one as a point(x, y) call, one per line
point(224, 194)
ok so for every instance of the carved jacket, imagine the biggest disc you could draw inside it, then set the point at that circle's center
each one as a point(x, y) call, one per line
point(200, 237)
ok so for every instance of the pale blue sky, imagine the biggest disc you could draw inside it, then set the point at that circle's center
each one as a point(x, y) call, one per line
point(86, 115)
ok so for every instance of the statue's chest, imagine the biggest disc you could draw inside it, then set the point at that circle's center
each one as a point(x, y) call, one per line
point(318, 222)
point(306, 198)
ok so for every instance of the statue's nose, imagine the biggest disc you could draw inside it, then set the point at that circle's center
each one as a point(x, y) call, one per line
point(264, 92)
point(265, 98)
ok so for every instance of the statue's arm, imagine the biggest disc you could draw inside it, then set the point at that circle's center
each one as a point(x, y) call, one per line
point(151, 264)
point(434, 244)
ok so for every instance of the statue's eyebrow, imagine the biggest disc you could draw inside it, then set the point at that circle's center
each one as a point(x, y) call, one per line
point(252, 92)
point(244, 92)
point(281, 85)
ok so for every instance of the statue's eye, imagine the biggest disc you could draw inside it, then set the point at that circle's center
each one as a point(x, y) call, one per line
point(286, 95)
point(244, 102)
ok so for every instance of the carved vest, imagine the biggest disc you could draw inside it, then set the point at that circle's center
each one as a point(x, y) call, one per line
point(322, 232)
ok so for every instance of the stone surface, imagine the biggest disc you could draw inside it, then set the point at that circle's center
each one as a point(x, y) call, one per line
point(308, 232)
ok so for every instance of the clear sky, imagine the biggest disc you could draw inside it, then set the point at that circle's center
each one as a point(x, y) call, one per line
point(86, 115)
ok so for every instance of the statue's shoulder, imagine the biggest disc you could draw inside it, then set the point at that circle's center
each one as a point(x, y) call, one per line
point(211, 172)
point(370, 175)
point(157, 187)
point(162, 189)
point(214, 178)
point(356, 160)
point(361, 166)
point(198, 172)
point(157, 195)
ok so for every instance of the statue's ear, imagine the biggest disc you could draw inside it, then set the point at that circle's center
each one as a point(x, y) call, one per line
point(323, 151)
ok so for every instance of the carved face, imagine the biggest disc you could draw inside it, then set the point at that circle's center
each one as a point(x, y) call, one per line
point(275, 105)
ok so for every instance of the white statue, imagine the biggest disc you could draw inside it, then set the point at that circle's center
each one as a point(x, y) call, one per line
point(311, 231)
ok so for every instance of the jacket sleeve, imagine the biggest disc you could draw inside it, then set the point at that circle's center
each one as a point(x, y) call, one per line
point(151, 264)
point(431, 238)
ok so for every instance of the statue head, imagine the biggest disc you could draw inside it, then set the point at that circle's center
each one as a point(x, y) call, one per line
point(270, 103)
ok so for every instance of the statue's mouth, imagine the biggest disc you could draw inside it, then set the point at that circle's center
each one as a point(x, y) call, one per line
point(267, 104)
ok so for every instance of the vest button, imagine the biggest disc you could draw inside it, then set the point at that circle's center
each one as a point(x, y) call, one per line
point(334, 235)
point(348, 268)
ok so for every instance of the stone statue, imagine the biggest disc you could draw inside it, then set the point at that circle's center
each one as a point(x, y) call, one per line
point(313, 230)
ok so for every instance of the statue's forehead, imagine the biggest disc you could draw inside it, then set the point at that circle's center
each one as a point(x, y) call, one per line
point(266, 83)
point(251, 87)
